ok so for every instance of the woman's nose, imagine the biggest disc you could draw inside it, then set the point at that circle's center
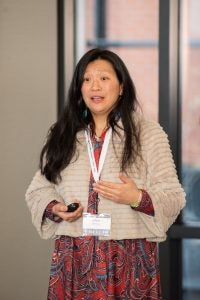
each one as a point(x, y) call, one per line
point(95, 85)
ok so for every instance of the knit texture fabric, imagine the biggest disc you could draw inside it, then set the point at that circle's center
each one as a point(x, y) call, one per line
point(155, 173)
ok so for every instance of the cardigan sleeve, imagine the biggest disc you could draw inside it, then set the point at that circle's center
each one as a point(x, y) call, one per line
point(163, 186)
point(38, 196)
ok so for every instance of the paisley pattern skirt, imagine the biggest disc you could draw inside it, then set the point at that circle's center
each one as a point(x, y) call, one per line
point(87, 269)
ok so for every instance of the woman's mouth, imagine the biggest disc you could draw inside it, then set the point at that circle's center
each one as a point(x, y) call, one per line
point(97, 99)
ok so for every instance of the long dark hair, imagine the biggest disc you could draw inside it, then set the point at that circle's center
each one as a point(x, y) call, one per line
point(61, 141)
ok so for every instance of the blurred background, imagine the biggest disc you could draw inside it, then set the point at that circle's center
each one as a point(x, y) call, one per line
point(40, 43)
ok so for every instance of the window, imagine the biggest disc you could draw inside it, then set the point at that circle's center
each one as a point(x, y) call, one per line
point(190, 59)
point(132, 34)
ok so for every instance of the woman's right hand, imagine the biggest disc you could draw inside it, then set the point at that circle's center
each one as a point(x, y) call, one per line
point(60, 210)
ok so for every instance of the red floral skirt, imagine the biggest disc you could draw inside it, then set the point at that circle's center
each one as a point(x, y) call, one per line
point(89, 269)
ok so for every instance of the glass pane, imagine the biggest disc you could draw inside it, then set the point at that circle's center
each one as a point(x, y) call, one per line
point(132, 34)
point(191, 110)
point(191, 143)
point(191, 269)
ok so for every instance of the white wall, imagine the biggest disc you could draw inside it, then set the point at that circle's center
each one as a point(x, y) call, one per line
point(27, 109)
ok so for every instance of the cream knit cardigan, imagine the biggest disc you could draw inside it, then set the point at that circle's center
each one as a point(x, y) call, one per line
point(155, 173)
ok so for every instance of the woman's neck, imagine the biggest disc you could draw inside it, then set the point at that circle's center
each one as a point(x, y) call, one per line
point(100, 125)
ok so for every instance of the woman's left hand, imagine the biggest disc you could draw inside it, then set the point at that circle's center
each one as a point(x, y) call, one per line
point(125, 192)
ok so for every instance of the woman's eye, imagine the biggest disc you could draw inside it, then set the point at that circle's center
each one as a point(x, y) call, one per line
point(104, 77)
point(86, 79)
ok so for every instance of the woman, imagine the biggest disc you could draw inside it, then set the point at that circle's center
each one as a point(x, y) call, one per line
point(118, 167)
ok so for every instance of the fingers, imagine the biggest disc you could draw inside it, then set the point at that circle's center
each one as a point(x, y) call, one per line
point(60, 210)
point(121, 192)
point(73, 216)
point(105, 184)
point(124, 178)
point(59, 207)
point(109, 190)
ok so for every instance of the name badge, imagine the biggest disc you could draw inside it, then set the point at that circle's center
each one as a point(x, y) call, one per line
point(96, 224)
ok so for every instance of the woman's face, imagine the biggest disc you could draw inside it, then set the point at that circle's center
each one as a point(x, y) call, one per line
point(101, 87)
